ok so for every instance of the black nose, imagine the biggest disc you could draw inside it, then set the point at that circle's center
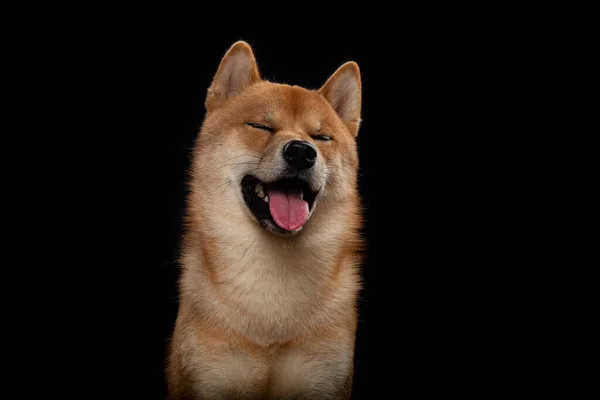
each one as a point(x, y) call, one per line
point(300, 154)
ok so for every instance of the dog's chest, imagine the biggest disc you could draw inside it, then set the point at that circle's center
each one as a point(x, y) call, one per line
point(293, 372)
point(272, 293)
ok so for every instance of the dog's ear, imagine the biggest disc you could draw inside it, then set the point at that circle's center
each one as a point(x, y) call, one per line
point(236, 72)
point(343, 91)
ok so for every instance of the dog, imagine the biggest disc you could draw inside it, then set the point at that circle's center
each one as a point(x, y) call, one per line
point(271, 252)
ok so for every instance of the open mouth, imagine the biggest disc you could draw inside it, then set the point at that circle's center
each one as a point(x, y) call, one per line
point(282, 206)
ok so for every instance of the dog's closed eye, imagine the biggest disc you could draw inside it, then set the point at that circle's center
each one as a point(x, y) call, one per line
point(260, 126)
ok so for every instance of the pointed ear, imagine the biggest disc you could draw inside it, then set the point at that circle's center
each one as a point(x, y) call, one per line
point(236, 72)
point(343, 91)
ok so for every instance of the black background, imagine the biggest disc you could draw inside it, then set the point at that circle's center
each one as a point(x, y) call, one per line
point(432, 121)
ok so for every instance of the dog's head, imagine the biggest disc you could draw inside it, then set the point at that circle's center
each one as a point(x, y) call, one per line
point(274, 154)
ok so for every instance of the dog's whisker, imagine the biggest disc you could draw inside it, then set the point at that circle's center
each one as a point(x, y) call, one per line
point(244, 162)
point(223, 188)
point(246, 155)
point(240, 163)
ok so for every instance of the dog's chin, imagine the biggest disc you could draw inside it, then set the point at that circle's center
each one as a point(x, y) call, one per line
point(258, 201)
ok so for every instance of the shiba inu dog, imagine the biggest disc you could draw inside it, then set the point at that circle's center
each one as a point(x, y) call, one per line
point(271, 253)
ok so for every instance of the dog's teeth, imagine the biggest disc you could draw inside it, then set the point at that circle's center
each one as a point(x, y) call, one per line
point(259, 190)
point(266, 199)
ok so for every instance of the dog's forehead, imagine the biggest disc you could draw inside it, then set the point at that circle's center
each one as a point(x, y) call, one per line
point(284, 103)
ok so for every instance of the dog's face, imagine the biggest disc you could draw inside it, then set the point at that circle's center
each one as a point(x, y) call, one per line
point(275, 153)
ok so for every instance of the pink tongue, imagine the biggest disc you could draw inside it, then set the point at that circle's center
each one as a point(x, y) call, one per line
point(287, 208)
